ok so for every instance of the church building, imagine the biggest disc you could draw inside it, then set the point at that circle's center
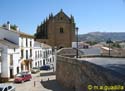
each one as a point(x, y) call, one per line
point(57, 31)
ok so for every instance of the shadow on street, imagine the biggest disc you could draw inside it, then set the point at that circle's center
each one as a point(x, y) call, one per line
point(47, 74)
point(54, 86)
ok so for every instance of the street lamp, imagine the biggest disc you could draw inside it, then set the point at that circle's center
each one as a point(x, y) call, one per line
point(109, 42)
point(76, 29)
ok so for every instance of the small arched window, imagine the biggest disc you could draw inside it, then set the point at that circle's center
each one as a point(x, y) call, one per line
point(61, 18)
point(61, 30)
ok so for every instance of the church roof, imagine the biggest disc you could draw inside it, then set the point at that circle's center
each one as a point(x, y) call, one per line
point(61, 12)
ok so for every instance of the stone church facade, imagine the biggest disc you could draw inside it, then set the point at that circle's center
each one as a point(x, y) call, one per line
point(57, 31)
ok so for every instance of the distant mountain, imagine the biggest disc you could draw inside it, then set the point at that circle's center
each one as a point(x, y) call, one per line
point(102, 36)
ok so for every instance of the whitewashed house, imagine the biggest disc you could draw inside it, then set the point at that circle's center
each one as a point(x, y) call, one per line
point(48, 57)
point(26, 45)
point(42, 54)
point(81, 45)
point(9, 59)
point(37, 54)
point(9, 52)
point(16, 54)
point(19, 52)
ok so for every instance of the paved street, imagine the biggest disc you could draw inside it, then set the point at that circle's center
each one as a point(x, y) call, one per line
point(29, 85)
point(48, 83)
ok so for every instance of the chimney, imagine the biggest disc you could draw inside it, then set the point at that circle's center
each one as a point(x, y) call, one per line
point(8, 25)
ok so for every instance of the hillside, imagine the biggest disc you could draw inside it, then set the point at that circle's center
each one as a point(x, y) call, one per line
point(102, 36)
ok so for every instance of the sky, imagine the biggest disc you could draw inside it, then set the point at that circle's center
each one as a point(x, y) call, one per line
point(90, 15)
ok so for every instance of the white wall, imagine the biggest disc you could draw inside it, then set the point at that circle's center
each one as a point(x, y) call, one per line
point(37, 48)
point(4, 61)
point(16, 58)
point(22, 44)
point(19, 40)
point(37, 59)
point(24, 47)
point(5, 57)
point(81, 45)
point(15, 63)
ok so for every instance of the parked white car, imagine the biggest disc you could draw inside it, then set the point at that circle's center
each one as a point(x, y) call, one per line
point(35, 70)
point(4, 87)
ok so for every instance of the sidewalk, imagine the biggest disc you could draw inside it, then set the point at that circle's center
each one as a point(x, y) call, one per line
point(11, 80)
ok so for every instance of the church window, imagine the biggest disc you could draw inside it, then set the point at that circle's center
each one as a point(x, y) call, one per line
point(61, 30)
point(61, 18)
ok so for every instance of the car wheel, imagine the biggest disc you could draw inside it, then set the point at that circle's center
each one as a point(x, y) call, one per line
point(30, 79)
point(22, 81)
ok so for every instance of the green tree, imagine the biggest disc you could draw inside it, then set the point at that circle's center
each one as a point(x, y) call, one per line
point(109, 41)
point(4, 25)
point(116, 45)
point(14, 27)
point(91, 42)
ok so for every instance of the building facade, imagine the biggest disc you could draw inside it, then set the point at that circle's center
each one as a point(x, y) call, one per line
point(19, 52)
point(58, 30)
point(42, 55)
point(9, 59)
point(26, 45)
point(10, 53)
point(81, 45)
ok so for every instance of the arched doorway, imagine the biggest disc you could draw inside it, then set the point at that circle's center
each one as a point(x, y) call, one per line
point(11, 72)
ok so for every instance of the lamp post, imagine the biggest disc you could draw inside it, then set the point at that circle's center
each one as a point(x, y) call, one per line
point(0, 62)
point(109, 42)
point(76, 29)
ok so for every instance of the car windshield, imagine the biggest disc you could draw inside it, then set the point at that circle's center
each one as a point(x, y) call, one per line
point(35, 68)
point(1, 89)
point(9, 87)
point(25, 72)
point(19, 75)
point(47, 65)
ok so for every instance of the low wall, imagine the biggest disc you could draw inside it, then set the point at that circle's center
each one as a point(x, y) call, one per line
point(79, 74)
point(115, 52)
point(4, 79)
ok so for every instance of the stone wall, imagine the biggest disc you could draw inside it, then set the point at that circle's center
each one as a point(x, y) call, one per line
point(69, 52)
point(78, 74)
